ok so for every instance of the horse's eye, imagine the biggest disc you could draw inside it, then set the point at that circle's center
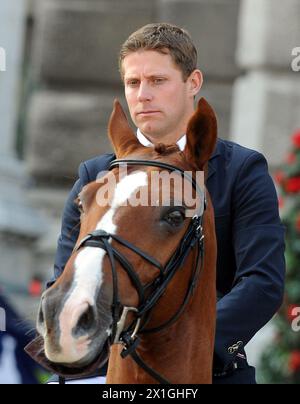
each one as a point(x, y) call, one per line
point(175, 218)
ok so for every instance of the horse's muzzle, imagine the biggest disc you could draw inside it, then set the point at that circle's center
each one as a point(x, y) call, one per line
point(35, 350)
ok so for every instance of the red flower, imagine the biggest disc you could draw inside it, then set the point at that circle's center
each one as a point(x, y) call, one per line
point(296, 139)
point(35, 288)
point(292, 312)
point(291, 158)
point(279, 177)
point(294, 361)
point(292, 185)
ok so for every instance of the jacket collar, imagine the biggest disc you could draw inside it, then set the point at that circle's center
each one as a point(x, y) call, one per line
point(181, 143)
point(145, 142)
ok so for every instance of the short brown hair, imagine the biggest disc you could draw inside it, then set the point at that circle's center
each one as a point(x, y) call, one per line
point(164, 38)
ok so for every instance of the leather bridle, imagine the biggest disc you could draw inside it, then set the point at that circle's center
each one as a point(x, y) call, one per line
point(151, 293)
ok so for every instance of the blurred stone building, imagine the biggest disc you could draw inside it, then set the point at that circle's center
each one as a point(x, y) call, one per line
point(62, 76)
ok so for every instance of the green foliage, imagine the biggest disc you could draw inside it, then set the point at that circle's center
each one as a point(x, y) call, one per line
point(280, 363)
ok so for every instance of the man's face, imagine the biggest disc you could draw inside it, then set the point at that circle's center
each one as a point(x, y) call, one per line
point(159, 101)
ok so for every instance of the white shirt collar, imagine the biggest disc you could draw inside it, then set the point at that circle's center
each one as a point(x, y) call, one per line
point(145, 142)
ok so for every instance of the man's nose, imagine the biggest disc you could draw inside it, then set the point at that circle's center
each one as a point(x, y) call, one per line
point(144, 93)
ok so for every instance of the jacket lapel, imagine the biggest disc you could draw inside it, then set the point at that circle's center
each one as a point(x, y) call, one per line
point(211, 165)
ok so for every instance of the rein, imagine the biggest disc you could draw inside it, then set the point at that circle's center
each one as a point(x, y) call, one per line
point(194, 238)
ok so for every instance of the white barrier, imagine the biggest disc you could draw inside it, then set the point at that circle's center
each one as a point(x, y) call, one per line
point(2, 60)
point(2, 319)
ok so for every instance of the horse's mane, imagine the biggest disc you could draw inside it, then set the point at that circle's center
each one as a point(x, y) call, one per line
point(165, 150)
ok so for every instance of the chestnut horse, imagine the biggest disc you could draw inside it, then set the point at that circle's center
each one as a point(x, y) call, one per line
point(141, 279)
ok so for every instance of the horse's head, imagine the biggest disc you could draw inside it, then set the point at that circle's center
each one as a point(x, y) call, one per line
point(123, 248)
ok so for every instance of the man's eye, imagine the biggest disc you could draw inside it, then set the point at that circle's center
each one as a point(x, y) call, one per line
point(159, 81)
point(132, 83)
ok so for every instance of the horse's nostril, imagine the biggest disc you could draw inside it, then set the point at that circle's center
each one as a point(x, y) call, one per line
point(85, 322)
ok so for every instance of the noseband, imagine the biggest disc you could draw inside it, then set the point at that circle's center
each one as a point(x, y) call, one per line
point(151, 293)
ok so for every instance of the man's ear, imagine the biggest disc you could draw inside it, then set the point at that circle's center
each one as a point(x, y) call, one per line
point(120, 133)
point(201, 135)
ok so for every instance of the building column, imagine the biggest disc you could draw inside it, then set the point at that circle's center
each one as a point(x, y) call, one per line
point(267, 98)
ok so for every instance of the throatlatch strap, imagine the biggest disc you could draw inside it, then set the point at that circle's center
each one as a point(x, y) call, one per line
point(130, 349)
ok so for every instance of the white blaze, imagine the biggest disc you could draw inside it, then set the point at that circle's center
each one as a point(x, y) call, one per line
point(88, 275)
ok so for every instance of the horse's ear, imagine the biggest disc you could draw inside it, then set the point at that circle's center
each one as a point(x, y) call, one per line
point(121, 135)
point(201, 135)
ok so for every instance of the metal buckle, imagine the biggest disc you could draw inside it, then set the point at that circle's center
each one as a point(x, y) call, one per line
point(197, 221)
point(121, 324)
point(198, 226)
point(235, 347)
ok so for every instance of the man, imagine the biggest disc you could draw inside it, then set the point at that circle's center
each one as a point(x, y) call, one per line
point(158, 65)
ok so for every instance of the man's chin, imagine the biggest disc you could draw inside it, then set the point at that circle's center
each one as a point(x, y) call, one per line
point(154, 133)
